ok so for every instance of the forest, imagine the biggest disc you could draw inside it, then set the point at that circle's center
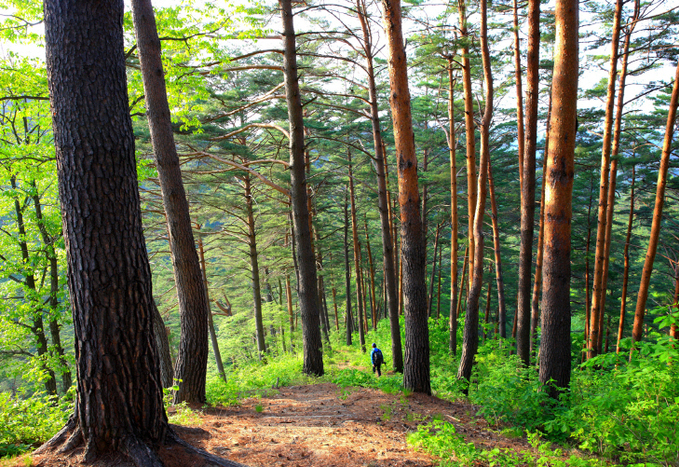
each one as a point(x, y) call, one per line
point(204, 202)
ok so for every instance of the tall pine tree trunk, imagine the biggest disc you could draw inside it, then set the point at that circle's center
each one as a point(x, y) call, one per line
point(416, 376)
point(307, 288)
point(555, 345)
point(625, 274)
point(452, 140)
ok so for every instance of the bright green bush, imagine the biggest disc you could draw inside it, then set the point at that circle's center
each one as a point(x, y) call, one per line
point(27, 422)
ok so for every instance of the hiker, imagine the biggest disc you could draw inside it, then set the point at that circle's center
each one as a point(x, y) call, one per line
point(377, 359)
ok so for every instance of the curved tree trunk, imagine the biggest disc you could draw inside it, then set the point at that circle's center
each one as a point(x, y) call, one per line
point(307, 286)
point(555, 345)
point(471, 325)
point(191, 365)
point(416, 375)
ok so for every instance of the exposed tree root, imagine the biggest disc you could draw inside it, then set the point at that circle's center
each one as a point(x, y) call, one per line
point(174, 452)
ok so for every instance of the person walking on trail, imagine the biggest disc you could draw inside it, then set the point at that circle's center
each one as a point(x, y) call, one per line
point(377, 359)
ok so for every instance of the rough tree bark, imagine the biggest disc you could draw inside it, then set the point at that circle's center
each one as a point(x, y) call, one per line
point(191, 364)
point(119, 406)
point(555, 345)
point(416, 373)
point(307, 285)
point(382, 195)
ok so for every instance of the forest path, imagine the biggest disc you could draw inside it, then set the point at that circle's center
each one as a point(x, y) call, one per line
point(323, 425)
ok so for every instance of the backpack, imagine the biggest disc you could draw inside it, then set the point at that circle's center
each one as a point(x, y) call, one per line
point(379, 358)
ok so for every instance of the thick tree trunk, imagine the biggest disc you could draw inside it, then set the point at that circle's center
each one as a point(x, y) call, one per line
point(657, 214)
point(471, 325)
point(452, 140)
point(469, 126)
point(191, 365)
point(307, 289)
point(599, 288)
point(555, 345)
point(119, 394)
point(416, 376)
point(523, 311)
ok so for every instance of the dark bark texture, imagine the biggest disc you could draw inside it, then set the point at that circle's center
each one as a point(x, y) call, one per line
point(119, 395)
point(191, 364)
point(307, 284)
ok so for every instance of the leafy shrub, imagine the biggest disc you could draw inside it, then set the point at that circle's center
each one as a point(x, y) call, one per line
point(27, 422)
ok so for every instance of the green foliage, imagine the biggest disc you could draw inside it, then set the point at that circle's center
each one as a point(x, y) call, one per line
point(26, 422)
point(440, 439)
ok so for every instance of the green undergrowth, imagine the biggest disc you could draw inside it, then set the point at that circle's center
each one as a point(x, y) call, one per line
point(26, 421)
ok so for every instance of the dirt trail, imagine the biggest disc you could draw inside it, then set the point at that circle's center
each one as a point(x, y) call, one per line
point(325, 426)
point(320, 425)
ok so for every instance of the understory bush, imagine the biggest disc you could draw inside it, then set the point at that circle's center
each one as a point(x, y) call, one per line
point(27, 422)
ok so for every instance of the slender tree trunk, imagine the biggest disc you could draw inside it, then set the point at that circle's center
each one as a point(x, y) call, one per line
point(625, 275)
point(469, 126)
point(307, 290)
point(163, 346)
point(537, 285)
point(555, 345)
point(599, 288)
point(288, 300)
point(452, 142)
point(430, 301)
point(372, 275)
point(416, 369)
point(55, 328)
point(471, 325)
point(254, 267)
point(357, 256)
point(347, 268)
point(38, 326)
point(523, 311)
point(334, 302)
point(657, 214)
point(518, 76)
point(191, 365)
point(210, 320)
point(502, 309)
point(462, 284)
